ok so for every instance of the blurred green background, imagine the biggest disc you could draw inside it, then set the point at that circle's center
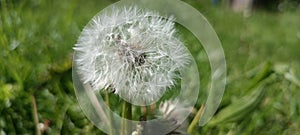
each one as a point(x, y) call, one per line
point(261, 43)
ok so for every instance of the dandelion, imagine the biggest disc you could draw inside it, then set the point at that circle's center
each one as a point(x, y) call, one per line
point(132, 52)
point(174, 111)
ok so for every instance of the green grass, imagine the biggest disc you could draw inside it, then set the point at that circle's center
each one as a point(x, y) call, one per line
point(262, 55)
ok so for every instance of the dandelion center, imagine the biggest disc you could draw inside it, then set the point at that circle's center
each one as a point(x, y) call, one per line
point(130, 54)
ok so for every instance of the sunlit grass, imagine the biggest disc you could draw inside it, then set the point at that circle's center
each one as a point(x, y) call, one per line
point(36, 40)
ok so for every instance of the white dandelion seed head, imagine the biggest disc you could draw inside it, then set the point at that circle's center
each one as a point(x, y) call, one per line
point(133, 51)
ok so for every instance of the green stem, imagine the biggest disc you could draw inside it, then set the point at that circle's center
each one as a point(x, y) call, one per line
point(195, 120)
point(127, 115)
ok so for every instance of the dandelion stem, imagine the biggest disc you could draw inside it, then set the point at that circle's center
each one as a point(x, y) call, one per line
point(153, 109)
point(195, 120)
point(107, 98)
point(144, 111)
point(143, 118)
point(127, 115)
point(35, 115)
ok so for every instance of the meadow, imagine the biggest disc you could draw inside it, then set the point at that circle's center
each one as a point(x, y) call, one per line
point(262, 54)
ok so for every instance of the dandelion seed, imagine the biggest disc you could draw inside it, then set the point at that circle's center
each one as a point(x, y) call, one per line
point(139, 130)
point(174, 112)
point(134, 51)
point(171, 109)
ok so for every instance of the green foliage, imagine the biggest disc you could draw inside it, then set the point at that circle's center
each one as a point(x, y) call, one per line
point(243, 106)
point(36, 40)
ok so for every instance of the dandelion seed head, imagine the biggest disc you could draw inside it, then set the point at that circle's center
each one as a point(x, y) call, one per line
point(134, 51)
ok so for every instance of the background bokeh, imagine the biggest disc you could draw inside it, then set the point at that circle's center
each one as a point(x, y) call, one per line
point(261, 41)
